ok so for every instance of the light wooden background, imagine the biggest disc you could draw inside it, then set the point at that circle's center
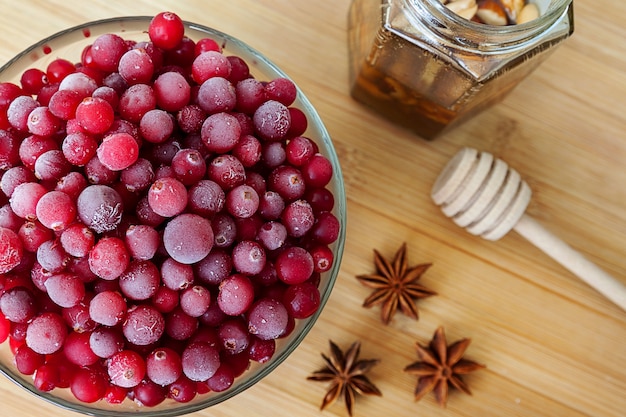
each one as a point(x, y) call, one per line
point(552, 346)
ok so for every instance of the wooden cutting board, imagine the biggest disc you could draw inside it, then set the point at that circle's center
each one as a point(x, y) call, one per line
point(552, 346)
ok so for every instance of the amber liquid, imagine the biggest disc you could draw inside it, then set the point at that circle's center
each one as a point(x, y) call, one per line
point(401, 104)
point(418, 88)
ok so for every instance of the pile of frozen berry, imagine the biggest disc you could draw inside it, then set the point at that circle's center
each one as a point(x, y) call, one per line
point(163, 220)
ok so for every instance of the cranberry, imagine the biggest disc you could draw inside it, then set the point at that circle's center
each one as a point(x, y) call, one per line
point(107, 50)
point(166, 30)
point(58, 69)
point(88, 385)
point(33, 80)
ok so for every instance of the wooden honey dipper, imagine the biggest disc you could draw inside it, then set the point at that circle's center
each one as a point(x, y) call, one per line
point(488, 198)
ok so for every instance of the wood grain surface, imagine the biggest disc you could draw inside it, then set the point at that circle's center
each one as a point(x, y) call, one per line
point(552, 346)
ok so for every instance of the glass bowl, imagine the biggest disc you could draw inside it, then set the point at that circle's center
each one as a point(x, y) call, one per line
point(69, 44)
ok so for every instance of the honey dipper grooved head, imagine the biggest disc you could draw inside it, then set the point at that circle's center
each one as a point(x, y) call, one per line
point(481, 193)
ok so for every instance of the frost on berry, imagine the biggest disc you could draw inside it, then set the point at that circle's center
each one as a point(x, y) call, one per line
point(188, 238)
point(46, 333)
point(18, 305)
point(144, 325)
point(200, 361)
point(272, 120)
point(109, 258)
point(118, 151)
point(100, 208)
point(11, 250)
point(126, 368)
point(107, 50)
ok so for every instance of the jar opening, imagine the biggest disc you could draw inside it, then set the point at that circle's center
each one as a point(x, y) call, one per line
point(484, 37)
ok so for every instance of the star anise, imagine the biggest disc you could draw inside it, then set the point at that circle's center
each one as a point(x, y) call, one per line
point(346, 374)
point(441, 366)
point(395, 284)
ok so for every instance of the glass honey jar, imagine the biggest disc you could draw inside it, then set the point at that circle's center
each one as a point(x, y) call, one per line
point(428, 68)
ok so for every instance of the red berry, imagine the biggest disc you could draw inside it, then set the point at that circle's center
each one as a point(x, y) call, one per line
point(167, 197)
point(172, 91)
point(144, 325)
point(107, 50)
point(166, 30)
point(11, 250)
point(58, 69)
point(46, 333)
point(33, 80)
point(109, 258)
point(136, 66)
point(56, 210)
point(118, 151)
point(164, 366)
point(77, 349)
point(294, 265)
point(188, 238)
point(108, 308)
point(200, 361)
point(46, 377)
point(42, 122)
point(95, 115)
point(18, 305)
point(88, 385)
point(236, 294)
point(126, 369)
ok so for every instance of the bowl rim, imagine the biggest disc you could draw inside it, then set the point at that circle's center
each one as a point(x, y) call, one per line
point(338, 246)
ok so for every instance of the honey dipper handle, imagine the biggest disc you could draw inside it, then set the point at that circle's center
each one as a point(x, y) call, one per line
point(572, 260)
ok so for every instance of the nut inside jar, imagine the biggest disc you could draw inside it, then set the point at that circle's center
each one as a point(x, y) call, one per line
point(494, 12)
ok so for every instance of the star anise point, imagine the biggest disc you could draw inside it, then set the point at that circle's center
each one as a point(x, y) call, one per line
point(440, 367)
point(395, 285)
point(346, 374)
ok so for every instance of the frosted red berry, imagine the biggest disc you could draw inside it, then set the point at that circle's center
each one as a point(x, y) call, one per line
point(136, 66)
point(95, 115)
point(167, 197)
point(210, 64)
point(272, 120)
point(236, 294)
point(65, 289)
point(11, 250)
point(18, 305)
point(200, 361)
point(42, 122)
point(156, 125)
point(126, 369)
point(46, 333)
point(100, 207)
point(108, 308)
point(144, 325)
point(109, 258)
point(172, 91)
point(267, 319)
point(56, 210)
point(107, 50)
point(188, 238)
point(118, 151)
